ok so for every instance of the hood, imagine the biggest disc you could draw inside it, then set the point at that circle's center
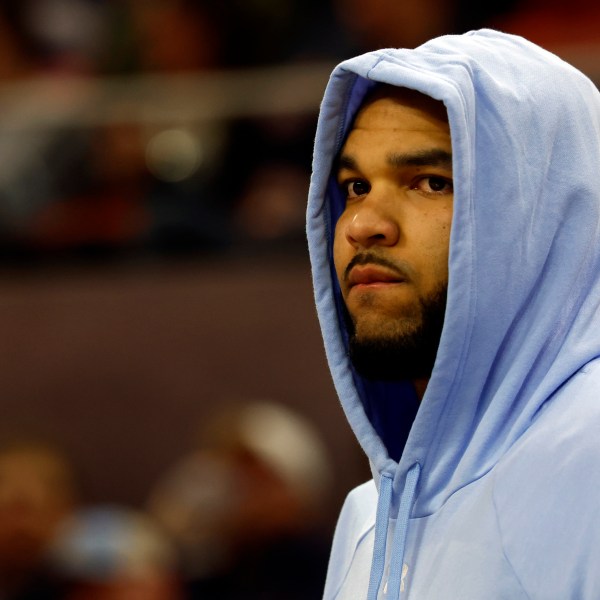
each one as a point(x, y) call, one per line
point(523, 293)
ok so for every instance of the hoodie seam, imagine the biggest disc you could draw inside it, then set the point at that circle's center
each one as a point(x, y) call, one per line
point(502, 546)
point(380, 58)
point(359, 541)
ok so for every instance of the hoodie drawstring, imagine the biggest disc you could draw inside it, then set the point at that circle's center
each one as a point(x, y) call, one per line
point(382, 520)
point(399, 543)
point(384, 504)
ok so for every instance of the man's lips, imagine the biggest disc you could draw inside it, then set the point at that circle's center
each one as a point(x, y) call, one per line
point(372, 275)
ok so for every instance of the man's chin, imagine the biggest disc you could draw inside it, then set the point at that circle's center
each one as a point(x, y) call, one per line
point(398, 349)
point(395, 359)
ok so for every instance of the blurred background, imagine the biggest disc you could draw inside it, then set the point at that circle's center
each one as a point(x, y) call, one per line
point(169, 428)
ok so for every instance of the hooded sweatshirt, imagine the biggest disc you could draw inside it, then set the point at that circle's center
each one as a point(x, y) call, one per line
point(490, 486)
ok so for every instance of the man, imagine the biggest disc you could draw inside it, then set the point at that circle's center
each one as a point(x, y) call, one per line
point(39, 491)
point(454, 234)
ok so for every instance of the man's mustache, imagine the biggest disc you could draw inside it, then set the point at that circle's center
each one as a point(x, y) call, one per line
point(402, 268)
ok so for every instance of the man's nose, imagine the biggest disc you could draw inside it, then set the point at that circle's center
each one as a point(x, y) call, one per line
point(372, 224)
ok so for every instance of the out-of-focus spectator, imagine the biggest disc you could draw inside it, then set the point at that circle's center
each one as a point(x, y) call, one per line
point(175, 36)
point(389, 23)
point(103, 202)
point(14, 61)
point(256, 33)
point(59, 37)
point(248, 508)
point(38, 491)
point(554, 24)
point(115, 553)
point(70, 35)
point(273, 164)
point(271, 207)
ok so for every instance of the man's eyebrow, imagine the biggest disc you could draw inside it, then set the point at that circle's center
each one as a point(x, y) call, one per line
point(434, 157)
point(345, 161)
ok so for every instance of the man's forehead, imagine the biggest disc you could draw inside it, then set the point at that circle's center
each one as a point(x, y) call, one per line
point(404, 97)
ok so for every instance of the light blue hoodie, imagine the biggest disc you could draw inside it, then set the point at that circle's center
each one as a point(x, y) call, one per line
point(497, 490)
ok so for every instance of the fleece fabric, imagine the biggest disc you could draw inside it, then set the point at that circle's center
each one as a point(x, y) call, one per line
point(490, 488)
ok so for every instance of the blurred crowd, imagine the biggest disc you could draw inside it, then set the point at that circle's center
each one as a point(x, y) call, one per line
point(240, 515)
point(113, 141)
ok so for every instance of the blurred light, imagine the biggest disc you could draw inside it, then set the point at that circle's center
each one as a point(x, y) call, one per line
point(174, 155)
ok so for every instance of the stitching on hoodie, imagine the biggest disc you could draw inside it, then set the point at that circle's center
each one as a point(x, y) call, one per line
point(504, 553)
point(359, 541)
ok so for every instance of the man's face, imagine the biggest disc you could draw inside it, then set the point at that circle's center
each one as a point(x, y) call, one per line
point(391, 241)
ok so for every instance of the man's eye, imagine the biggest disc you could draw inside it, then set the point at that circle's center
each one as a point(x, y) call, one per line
point(355, 188)
point(434, 185)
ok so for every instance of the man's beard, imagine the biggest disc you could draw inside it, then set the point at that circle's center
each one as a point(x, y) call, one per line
point(407, 352)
